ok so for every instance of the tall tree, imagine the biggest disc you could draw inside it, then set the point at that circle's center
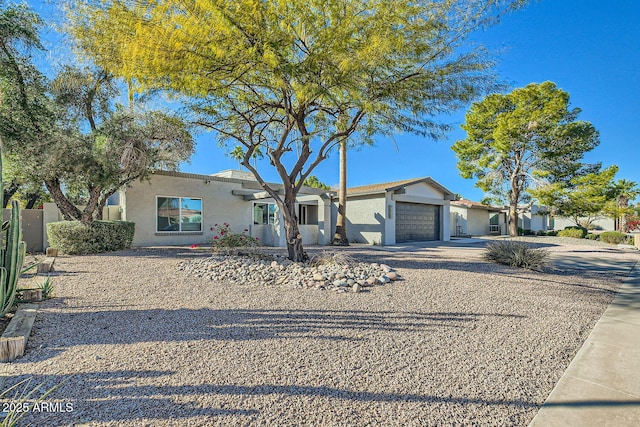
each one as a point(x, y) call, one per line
point(281, 74)
point(519, 141)
point(583, 198)
point(340, 235)
point(26, 114)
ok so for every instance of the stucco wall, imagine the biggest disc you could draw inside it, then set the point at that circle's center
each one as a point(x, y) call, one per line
point(605, 224)
point(423, 189)
point(474, 222)
point(218, 206)
point(478, 222)
point(365, 221)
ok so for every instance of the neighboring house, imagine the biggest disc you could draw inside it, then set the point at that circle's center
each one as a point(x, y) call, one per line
point(397, 212)
point(476, 219)
point(535, 218)
point(174, 208)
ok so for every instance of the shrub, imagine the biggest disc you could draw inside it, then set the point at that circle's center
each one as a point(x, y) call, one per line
point(613, 237)
point(73, 237)
point(227, 239)
point(552, 233)
point(516, 254)
point(541, 233)
point(592, 236)
point(340, 259)
point(573, 231)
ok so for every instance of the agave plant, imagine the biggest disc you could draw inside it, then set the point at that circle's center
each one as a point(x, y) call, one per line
point(12, 253)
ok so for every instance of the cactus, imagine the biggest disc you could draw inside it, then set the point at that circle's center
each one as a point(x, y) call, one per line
point(12, 253)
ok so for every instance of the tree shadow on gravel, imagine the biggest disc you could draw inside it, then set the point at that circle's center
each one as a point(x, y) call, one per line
point(134, 326)
point(118, 396)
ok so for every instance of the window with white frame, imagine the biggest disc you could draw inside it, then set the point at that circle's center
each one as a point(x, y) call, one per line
point(264, 213)
point(180, 214)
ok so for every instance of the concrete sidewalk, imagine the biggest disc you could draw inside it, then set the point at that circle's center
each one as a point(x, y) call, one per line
point(601, 386)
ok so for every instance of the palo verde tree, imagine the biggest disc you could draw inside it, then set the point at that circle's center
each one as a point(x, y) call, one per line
point(523, 140)
point(294, 78)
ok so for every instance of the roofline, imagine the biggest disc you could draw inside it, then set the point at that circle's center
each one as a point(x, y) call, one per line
point(252, 185)
point(475, 205)
point(427, 180)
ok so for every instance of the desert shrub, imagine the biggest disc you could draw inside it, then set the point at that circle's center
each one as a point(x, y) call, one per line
point(73, 237)
point(339, 259)
point(613, 237)
point(631, 240)
point(592, 236)
point(573, 231)
point(227, 239)
point(516, 254)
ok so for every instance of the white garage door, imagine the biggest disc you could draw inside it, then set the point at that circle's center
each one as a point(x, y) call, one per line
point(417, 222)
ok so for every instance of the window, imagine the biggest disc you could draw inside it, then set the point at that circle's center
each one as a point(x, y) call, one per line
point(179, 214)
point(307, 215)
point(264, 213)
point(494, 219)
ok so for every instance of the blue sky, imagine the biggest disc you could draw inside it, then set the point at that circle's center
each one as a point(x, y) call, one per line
point(589, 48)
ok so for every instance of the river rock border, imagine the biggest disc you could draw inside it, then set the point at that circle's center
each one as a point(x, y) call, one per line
point(279, 271)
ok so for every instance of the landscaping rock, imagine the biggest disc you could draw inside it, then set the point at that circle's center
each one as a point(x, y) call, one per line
point(392, 275)
point(253, 271)
point(385, 268)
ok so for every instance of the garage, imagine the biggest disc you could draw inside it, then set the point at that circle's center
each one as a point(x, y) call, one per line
point(417, 222)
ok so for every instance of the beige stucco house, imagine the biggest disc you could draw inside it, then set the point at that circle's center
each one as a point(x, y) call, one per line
point(397, 212)
point(470, 218)
point(177, 208)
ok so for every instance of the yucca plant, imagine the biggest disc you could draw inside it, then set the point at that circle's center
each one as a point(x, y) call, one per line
point(12, 253)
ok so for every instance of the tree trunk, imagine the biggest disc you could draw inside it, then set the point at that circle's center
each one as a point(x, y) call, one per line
point(513, 220)
point(100, 208)
point(623, 204)
point(292, 233)
point(340, 236)
point(69, 211)
point(32, 198)
point(89, 211)
point(8, 193)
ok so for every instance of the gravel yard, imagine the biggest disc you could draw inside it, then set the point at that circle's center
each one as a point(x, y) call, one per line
point(132, 340)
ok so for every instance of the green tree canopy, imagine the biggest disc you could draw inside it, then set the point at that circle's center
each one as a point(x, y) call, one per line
point(294, 78)
point(522, 140)
point(26, 114)
point(101, 146)
point(314, 182)
point(583, 199)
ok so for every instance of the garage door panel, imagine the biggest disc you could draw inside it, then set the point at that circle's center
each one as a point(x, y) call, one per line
point(416, 222)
